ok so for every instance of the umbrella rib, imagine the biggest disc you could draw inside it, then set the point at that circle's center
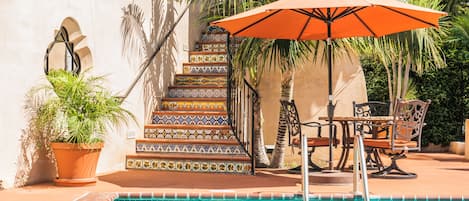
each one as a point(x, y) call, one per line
point(364, 24)
point(335, 11)
point(410, 16)
point(320, 13)
point(304, 27)
point(256, 22)
point(347, 12)
point(304, 12)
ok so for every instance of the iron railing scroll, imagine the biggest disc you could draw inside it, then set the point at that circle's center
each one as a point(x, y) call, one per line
point(241, 99)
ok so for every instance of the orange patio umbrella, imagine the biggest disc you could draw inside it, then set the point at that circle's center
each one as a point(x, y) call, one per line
point(327, 20)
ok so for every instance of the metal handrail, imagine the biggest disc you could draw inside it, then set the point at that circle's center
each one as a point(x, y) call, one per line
point(241, 98)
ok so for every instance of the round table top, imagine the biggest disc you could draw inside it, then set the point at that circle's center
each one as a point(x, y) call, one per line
point(352, 118)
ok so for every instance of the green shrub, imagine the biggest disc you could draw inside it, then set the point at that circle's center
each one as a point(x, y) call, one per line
point(74, 108)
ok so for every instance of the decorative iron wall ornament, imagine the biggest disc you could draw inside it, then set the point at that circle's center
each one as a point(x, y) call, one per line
point(61, 54)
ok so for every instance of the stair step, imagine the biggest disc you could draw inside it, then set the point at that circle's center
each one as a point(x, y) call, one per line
point(194, 104)
point(190, 162)
point(207, 57)
point(218, 36)
point(192, 146)
point(214, 37)
point(201, 79)
point(189, 112)
point(207, 132)
point(198, 68)
point(190, 117)
point(211, 46)
point(215, 46)
point(197, 91)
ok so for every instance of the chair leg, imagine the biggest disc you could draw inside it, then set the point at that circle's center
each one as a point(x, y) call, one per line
point(393, 171)
point(347, 154)
point(378, 161)
point(312, 166)
point(342, 159)
point(373, 160)
point(345, 147)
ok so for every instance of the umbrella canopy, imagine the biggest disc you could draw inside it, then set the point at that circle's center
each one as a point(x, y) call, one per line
point(307, 19)
point(329, 19)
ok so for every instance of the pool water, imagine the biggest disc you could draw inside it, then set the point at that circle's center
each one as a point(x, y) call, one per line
point(291, 199)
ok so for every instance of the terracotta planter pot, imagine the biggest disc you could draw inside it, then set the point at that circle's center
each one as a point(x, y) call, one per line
point(76, 163)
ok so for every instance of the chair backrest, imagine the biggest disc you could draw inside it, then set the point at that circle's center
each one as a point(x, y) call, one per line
point(408, 121)
point(292, 117)
point(371, 108)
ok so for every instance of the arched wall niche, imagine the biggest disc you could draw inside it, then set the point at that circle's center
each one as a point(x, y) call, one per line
point(69, 49)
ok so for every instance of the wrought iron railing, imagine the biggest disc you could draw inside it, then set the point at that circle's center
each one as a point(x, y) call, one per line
point(241, 99)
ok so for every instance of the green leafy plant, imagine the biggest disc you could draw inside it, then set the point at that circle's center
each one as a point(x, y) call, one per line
point(74, 109)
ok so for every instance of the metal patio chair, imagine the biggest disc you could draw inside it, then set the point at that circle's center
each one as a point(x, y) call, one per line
point(369, 109)
point(366, 109)
point(294, 134)
point(405, 135)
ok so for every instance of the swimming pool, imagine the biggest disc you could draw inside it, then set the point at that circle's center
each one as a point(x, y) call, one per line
point(269, 197)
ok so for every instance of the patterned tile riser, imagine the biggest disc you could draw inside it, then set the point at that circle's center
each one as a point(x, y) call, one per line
point(213, 37)
point(218, 37)
point(207, 58)
point(189, 148)
point(197, 93)
point(193, 106)
point(190, 119)
point(205, 69)
point(200, 80)
point(190, 166)
point(214, 47)
point(200, 134)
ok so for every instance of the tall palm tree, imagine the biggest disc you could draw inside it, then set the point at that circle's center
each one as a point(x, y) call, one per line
point(289, 57)
point(286, 55)
point(246, 62)
point(415, 50)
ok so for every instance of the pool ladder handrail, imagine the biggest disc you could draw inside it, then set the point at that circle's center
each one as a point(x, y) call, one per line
point(358, 153)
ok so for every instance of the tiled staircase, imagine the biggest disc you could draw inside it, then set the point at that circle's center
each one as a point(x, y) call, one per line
point(190, 132)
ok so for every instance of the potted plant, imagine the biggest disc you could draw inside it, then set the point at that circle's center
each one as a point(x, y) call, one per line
point(73, 113)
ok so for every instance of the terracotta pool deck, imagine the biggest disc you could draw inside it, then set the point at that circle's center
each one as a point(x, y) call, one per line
point(438, 175)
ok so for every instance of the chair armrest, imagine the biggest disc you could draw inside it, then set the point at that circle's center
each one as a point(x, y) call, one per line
point(319, 126)
point(311, 124)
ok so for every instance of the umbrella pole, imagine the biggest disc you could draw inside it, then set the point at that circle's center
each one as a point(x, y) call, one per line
point(330, 106)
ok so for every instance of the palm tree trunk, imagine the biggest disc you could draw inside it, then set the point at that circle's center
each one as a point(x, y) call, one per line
point(406, 75)
point(399, 76)
point(278, 154)
point(388, 73)
point(260, 154)
point(394, 83)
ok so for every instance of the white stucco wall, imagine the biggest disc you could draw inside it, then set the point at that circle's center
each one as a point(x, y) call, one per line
point(27, 29)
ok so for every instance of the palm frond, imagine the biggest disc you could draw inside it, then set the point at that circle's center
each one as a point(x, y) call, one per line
point(76, 109)
point(218, 9)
